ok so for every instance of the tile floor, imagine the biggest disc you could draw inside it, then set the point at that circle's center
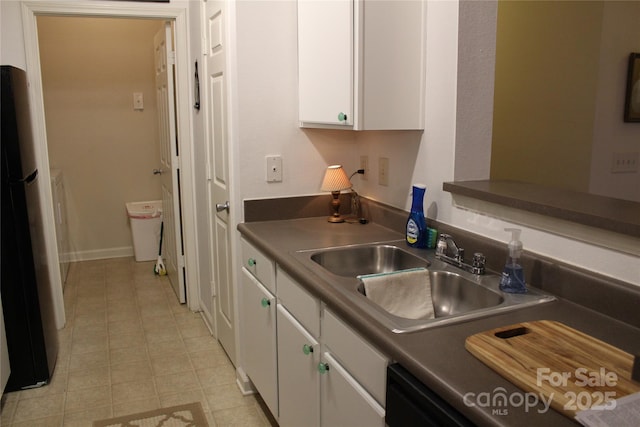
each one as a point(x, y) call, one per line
point(129, 346)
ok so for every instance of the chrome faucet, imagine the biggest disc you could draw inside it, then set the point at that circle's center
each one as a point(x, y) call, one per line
point(448, 251)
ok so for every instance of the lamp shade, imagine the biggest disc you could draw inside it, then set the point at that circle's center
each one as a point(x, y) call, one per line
point(335, 179)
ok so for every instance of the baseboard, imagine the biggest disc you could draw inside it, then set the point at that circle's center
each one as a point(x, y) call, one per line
point(244, 383)
point(125, 251)
point(208, 321)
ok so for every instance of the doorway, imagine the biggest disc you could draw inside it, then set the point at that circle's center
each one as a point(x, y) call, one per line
point(104, 145)
point(177, 14)
point(108, 133)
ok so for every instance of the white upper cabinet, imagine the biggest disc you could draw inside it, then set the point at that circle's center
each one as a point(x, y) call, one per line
point(361, 64)
point(325, 61)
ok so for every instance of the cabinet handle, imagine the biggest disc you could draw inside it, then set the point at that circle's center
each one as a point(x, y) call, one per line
point(307, 349)
point(265, 302)
point(342, 117)
point(323, 368)
point(251, 262)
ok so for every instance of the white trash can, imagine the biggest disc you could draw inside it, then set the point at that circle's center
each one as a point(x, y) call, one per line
point(145, 219)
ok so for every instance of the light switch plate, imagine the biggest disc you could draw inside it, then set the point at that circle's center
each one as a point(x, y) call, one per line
point(624, 162)
point(274, 168)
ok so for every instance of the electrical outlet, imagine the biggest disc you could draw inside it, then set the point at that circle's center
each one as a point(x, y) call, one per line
point(624, 162)
point(383, 171)
point(364, 164)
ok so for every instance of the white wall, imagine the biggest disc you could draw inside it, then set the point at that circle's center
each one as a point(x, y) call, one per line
point(11, 39)
point(266, 107)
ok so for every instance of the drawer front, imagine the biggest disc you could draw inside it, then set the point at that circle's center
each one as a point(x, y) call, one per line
point(299, 302)
point(364, 362)
point(261, 266)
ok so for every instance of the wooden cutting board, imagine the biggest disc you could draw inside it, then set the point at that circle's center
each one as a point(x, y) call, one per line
point(575, 370)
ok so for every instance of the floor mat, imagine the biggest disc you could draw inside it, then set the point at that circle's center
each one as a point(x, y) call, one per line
point(189, 415)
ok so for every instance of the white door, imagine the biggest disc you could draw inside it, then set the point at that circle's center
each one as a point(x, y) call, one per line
point(220, 228)
point(169, 170)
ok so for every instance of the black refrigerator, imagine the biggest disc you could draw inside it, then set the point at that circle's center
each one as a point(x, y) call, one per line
point(27, 297)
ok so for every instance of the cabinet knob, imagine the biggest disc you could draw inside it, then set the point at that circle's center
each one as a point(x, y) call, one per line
point(323, 368)
point(251, 262)
point(265, 302)
point(342, 117)
point(307, 349)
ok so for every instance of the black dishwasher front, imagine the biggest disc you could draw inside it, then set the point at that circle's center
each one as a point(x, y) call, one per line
point(411, 403)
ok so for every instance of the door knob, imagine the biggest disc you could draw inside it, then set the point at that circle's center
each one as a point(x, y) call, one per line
point(158, 171)
point(222, 207)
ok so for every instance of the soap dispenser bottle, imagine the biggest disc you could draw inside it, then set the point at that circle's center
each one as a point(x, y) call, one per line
point(416, 224)
point(512, 279)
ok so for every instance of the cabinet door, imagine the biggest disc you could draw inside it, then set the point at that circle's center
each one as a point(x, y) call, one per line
point(325, 61)
point(344, 403)
point(363, 361)
point(259, 339)
point(298, 378)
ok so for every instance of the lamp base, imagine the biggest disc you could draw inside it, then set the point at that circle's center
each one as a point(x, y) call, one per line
point(335, 219)
point(335, 205)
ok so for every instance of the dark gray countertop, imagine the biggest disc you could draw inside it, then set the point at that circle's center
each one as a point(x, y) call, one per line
point(435, 356)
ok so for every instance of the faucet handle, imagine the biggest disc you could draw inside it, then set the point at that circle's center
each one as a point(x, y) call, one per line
point(479, 260)
point(478, 263)
point(441, 247)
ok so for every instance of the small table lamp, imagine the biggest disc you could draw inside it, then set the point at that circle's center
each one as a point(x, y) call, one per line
point(335, 180)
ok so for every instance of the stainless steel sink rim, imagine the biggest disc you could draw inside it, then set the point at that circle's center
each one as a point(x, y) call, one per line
point(370, 259)
point(349, 287)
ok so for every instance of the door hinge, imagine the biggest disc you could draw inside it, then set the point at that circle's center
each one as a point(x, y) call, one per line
point(213, 289)
point(171, 57)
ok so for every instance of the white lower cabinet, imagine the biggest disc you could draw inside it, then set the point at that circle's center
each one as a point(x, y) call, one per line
point(344, 402)
point(298, 379)
point(311, 369)
point(259, 340)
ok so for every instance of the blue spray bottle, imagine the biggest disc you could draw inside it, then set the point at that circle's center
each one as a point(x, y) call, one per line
point(416, 224)
point(512, 279)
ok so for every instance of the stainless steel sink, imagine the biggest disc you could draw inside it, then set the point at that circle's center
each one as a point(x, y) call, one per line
point(457, 296)
point(368, 259)
point(453, 294)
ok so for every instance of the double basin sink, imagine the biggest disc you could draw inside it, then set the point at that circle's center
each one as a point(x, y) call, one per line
point(457, 295)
